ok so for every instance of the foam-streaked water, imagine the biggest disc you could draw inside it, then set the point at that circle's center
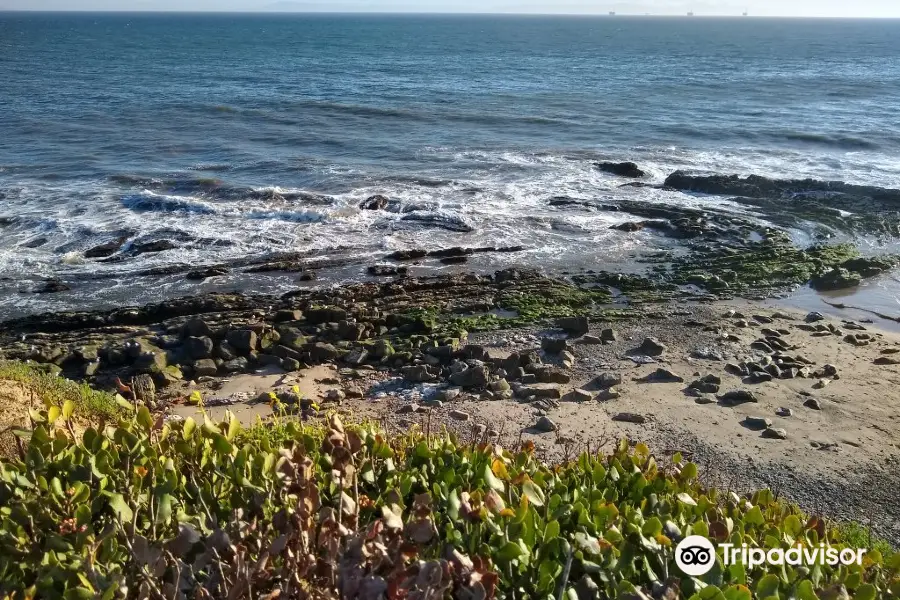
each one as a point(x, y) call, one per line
point(238, 136)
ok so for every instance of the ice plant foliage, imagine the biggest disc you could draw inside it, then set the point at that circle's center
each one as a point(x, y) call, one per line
point(147, 509)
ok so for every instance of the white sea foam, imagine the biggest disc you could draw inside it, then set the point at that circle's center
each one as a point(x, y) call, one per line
point(502, 195)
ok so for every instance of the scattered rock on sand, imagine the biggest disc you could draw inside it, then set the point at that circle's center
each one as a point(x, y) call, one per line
point(754, 422)
point(459, 415)
point(813, 404)
point(545, 425)
point(784, 412)
point(628, 417)
point(477, 376)
point(205, 367)
point(662, 376)
point(574, 326)
point(651, 347)
point(418, 373)
point(579, 395)
point(449, 394)
point(609, 394)
point(553, 345)
point(887, 360)
point(604, 381)
point(775, 433)
point(738, 397)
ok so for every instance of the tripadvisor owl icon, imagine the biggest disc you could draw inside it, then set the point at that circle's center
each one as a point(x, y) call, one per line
point(695, 555)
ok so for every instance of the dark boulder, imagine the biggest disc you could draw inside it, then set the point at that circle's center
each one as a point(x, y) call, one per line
point(196, 328)
point(285, 315)
point(454, 260)
point(106, 249)
point(408, 254)
point(198, 347)
point(868, 267)
point(755, 186)
point(835, 279)
point(651, 347)
point(376, 202)
point(154, 246)
point(386, 270)
point(630, 226)
point(243, 340)
point(206, 272)
point(439, 221)
point(205, 368)
point(322, 352)
point(477, 376)
point(622, 169)
point(574, 326)
point(51, 286)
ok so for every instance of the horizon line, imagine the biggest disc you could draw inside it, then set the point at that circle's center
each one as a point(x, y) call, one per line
point(607, 14)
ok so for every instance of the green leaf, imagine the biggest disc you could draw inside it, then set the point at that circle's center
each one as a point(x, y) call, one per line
point(533, 493)
point(737, 592)
point(53, 414)
point(755, 517)
point(711, 592)
point(68, 409)
point(124, 403)
point(491, 480)
point(866, 591)
point(685, 498)
point(79, 593)
point(83, 514)
point(221, 445)
point(551, 531)
point(652, 528)
point(164, 510)
point(805, 591)
point(144, 418)
point(598, 474)
point(689, 471)
point(453, 505)
point(234, 426)
point(509, 551)
point(188, 428)
point(793, 526)
point(767, 586)
point(120, 508)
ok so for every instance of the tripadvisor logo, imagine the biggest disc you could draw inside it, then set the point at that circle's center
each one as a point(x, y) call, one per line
point(695, 555)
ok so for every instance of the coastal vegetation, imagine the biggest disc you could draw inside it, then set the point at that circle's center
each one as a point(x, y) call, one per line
point(144, 508)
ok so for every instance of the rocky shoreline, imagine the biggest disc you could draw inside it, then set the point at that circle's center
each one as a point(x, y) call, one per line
point(570, 363)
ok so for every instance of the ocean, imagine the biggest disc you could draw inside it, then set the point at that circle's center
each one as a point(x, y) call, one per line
point(235, 137)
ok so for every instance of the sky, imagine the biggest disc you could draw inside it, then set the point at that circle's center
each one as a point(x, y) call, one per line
point(808, 8)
